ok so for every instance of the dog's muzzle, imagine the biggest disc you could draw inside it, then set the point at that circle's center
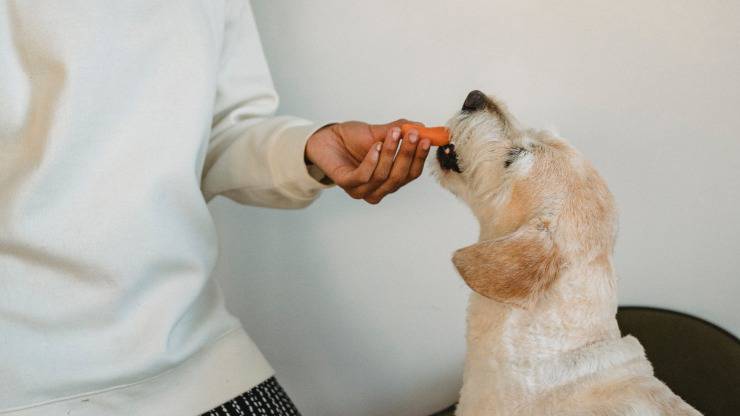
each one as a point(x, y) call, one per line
point(447, 157)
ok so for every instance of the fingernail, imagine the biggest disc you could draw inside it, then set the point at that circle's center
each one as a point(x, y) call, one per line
point(396, 133)
point(425, 144)
point(413, 138)
point(378, 146)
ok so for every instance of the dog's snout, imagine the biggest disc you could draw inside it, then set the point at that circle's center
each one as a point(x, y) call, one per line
point(475, 101)
point(448, 158)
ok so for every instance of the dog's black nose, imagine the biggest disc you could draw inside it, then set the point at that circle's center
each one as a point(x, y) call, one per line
point(475, 101)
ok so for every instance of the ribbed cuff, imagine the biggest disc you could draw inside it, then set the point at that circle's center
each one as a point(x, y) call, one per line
point(295, 176)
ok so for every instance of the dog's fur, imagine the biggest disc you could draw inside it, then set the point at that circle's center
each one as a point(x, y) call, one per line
point(542, 335)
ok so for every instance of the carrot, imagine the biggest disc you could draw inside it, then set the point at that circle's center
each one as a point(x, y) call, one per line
point(438, 136)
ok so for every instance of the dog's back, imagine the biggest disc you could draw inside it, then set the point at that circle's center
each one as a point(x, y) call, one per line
point(629, 390)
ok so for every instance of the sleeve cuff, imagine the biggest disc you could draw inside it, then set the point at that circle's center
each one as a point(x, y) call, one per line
point(298, 179)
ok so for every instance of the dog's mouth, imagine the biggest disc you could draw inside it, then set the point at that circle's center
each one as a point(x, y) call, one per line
point(475, 101)
point(448, 158)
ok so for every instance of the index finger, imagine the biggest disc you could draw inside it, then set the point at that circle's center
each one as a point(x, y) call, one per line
point(379, 130)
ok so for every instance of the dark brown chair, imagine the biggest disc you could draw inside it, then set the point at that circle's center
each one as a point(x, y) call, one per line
point(698, 360)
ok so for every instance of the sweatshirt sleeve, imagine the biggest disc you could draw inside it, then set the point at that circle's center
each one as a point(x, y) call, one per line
point(254, 157)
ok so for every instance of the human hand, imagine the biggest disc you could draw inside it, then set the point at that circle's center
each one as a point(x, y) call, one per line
point(365, 159)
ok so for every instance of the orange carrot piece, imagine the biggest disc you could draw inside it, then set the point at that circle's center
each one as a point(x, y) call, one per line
point(438, 136)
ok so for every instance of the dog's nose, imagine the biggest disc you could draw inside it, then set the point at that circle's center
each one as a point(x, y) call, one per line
point(475, 101)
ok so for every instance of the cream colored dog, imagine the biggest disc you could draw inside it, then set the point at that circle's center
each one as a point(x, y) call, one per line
point(542, 334)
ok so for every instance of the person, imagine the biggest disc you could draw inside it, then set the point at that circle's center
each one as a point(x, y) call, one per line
point(118, 122)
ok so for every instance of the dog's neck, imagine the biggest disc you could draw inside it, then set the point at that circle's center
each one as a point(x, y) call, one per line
point(508, 347)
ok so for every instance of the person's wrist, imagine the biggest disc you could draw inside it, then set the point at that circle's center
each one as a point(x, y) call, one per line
point(313, 144)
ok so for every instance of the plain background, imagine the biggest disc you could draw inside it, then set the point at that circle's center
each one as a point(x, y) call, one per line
point(358, 307)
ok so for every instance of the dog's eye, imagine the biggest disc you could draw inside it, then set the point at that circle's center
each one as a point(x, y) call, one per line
point(514, 153)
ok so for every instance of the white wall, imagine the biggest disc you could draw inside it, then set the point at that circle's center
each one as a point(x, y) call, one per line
point(358, 307)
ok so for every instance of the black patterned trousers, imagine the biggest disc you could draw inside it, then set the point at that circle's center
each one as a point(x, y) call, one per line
point(265, 399)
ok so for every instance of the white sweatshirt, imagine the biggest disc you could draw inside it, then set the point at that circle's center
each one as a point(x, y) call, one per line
point(119, 120)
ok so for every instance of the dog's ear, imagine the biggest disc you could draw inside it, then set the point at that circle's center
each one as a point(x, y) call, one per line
point(514, 269)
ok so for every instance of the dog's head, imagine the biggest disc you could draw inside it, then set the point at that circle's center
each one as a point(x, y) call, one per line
point(542, 207)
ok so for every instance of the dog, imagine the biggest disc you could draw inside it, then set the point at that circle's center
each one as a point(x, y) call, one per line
point(542, 336)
